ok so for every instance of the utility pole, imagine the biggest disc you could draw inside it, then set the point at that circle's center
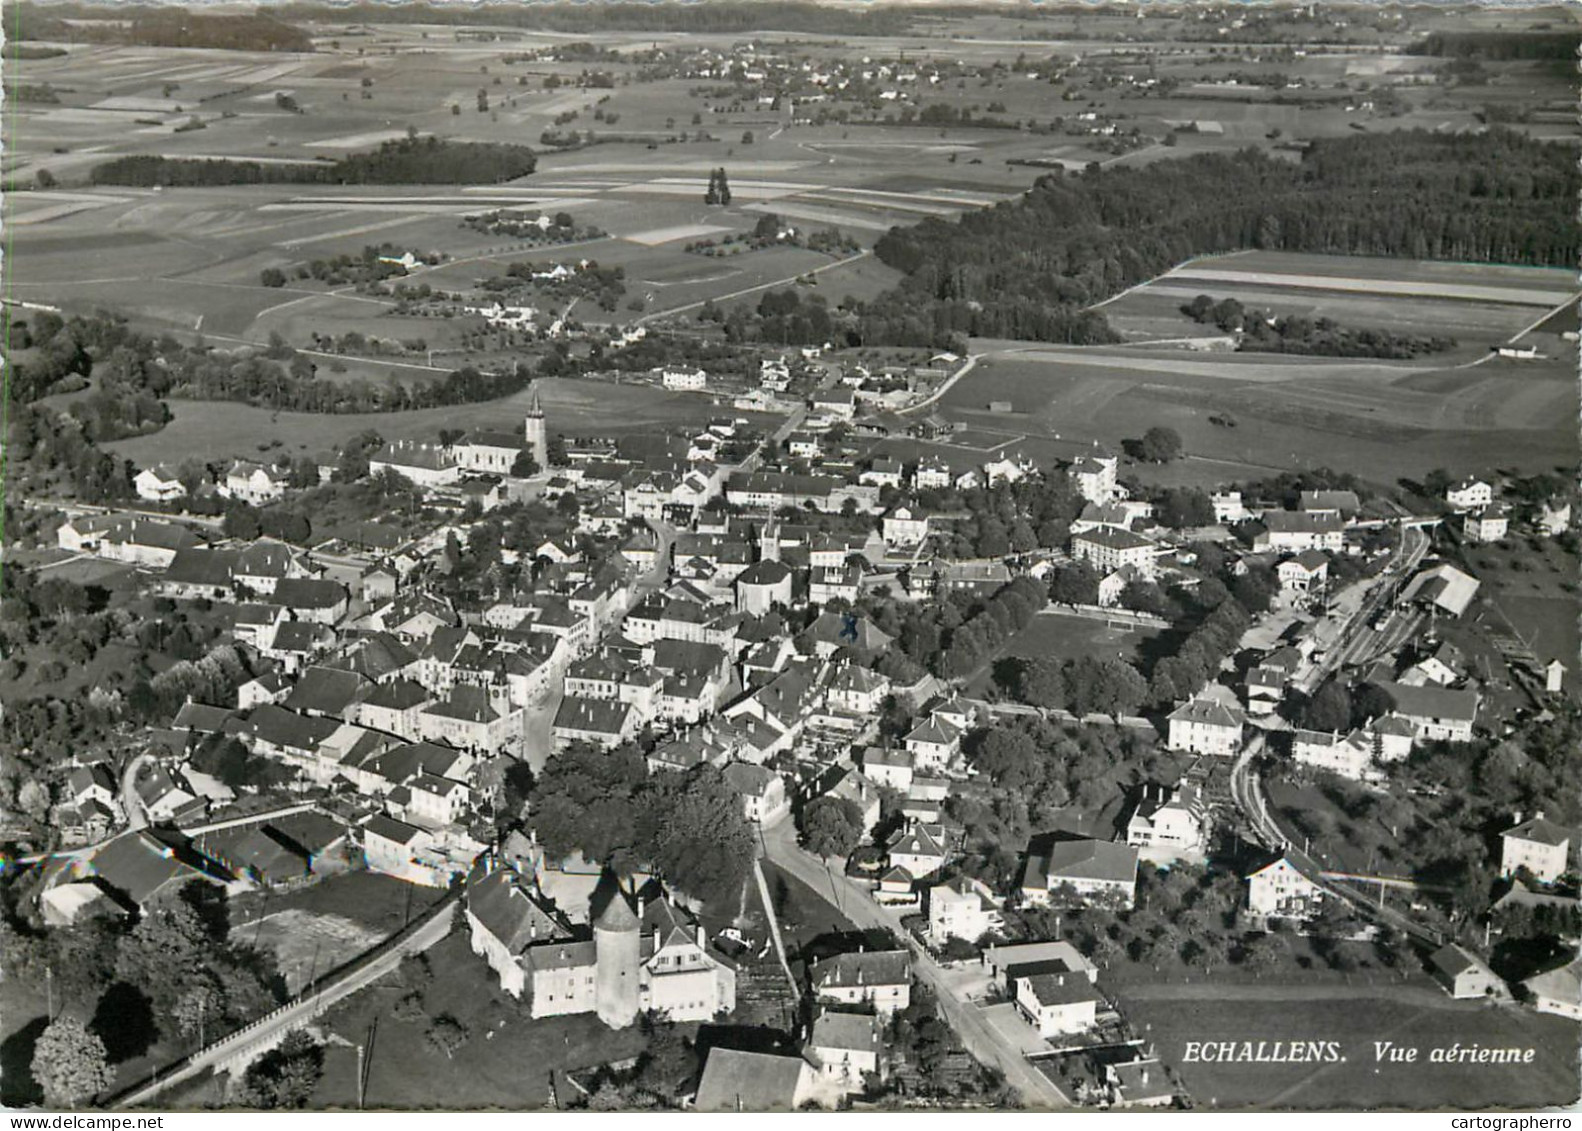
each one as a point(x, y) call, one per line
point(359, 1077)
point(49, 991)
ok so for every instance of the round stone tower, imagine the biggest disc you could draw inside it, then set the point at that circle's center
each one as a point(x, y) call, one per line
point(617, 956)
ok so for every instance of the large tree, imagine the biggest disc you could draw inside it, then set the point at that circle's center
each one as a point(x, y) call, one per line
point(831, 826)
point(69, 1063)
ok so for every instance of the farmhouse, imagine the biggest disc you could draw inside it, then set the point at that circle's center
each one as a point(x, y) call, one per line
point(1304, 573)
point(737, 1081)
point(846, 1047)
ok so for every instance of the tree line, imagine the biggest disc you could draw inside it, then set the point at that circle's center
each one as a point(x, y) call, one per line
point(727, 16)
point(1264, 332)
point(405, 161)
point(1029, 269)
point(156, 27)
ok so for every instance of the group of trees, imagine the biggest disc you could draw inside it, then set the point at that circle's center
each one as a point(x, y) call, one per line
point(159, 27)
point(733, 16)
point(1030, 769)
point(1028, 269)
point(688, 827)
point(1086, 685)
point(406, 161)
point(174, 975)
point(1263, 332)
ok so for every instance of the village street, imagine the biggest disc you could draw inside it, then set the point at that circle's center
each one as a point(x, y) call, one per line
point(981, 1039)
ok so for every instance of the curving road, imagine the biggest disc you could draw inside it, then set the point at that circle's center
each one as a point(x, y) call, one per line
point(980, 1038)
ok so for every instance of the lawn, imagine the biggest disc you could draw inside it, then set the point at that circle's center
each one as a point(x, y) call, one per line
point(507, 1062)
point(1061, 636)
point(1355, 1018)
point(380, 904)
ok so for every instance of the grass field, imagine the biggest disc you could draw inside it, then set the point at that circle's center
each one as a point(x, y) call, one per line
point(1063, 637)
point(216, 429)
point(1409, 1016)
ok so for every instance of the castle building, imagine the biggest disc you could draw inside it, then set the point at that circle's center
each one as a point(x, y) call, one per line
point(639, 958)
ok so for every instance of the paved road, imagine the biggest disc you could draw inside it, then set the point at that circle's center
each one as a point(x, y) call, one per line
point(131, 801)
point(972, 361)
point(429, 931)
point(980, 1038)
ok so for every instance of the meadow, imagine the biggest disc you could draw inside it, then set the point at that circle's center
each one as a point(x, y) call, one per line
point(1356, 1017)
point(218, 429)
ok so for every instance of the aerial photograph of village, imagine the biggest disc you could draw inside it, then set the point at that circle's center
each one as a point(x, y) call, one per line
point(778, 555)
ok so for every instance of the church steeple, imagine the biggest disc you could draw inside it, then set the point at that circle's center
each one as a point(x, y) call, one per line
point(535, 431)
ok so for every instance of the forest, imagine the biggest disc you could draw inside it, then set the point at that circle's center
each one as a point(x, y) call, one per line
point(409, 161)
point(155, 27)
point(1028, 269)
point(727, 16)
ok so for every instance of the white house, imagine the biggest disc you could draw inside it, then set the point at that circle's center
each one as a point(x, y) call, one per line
point(1108, 549)
point(1203, 726)
point(1470, 495)
point(1279, 890)
point(1539, 845)
point(252, 483)
point(880, 979)
point(902, 527)
point(964, 908)
point(1091, 871)
point(1057, 1002)
point(1487, 524)
point(158, 484)
point(684, 379)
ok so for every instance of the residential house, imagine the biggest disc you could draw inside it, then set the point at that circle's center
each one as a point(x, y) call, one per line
point(1056, 1003)
point(1108, 549)
point(1469, 495)
point(878, 979)
point(252, 483)
point(1539, 845)
point(846, 1047)
point(1279, 890)
point(964, 908)
point(763, 792)
point(1436, 713)
point(159, 484)
point(1486, 524)
point(1205, 726)
point(1168, 819)
point(1305, 573)
point(1080, 870)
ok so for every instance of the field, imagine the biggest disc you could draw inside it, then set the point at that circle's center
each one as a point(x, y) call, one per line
point(215, 429)
point(1356, 1017)
point(1460, 410)
point(1523, 582)
point(1063, 637)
